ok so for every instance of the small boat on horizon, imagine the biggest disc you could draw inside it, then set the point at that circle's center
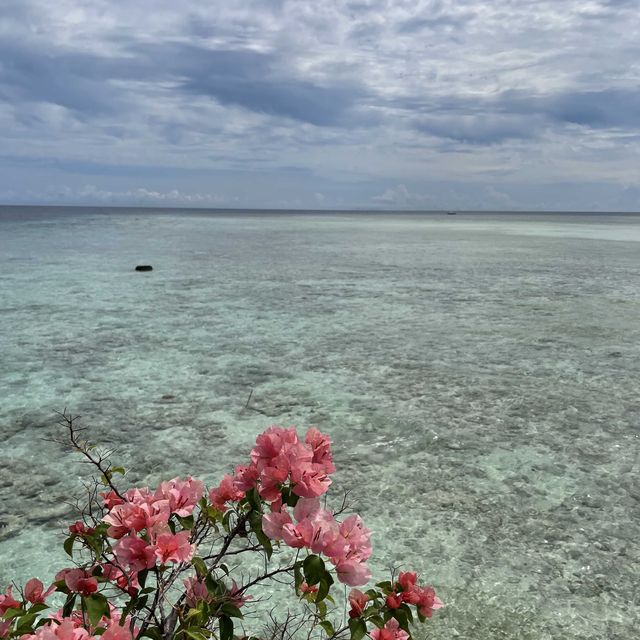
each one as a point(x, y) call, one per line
point(451, 213)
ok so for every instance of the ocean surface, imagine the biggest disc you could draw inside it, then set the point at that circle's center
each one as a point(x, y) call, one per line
point(479, 375)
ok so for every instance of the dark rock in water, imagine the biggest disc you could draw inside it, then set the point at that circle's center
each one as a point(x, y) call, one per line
point(144, 267)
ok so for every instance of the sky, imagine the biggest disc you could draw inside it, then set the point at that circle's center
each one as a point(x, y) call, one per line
point(322, 104)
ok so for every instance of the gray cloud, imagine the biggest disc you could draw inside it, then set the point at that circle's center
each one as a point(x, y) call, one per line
point(350, 94)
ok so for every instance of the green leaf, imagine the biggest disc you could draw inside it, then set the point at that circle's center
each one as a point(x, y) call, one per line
point(226, 628)
point(255, 520)
point(297, 575)
point(373, 594)
point(154, 633)
point(314, 570)
point(200, 567)
point(120, 470)
point(68, 545)
point(142, 577)
point(214, 587)
point(324, 586)
point(38, 607)
point(25, 623)
point(321, 608)
point(96, 606)
point(69, 604)
point(231, 610)
point(187, 522)
point(402, 618)
point(358, 628)
point(407, 610)
point(386, 585)
point(253, 498)
point(13, 613)
point(378, 621)
point(224, 568)
point(194, 633)
point(328, 627)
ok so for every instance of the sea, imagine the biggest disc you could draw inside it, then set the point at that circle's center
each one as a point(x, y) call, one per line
point(478, 374)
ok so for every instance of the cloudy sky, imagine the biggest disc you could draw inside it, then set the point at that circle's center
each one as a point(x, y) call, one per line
point(416, 104)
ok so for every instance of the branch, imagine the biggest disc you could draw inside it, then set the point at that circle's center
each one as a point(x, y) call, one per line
point(83, 448)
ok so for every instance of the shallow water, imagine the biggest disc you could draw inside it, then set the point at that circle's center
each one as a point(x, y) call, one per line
point(478, 374)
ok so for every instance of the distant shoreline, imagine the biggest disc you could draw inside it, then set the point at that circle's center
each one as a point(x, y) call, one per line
point(93, 208)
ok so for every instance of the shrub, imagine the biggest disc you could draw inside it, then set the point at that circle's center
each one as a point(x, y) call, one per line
point(153, 563)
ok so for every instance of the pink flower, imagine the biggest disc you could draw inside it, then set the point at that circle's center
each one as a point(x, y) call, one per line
point(34, 591)
point(356, 535)
point(299, 535)
point(270, 443)
point(407, 580)
point(272, 523)
point(127, 582)
point(116, 632)
point(79, 528)
point(428, 601)
point(196, 591)
point(225, 492)
point(174, 547)
point(353, 573)
point(321, 446)
point(7, 601)
point(183, 495)
point(245, 478)
point(80, 581)
point(235, 596)
point(271, 481)
point(358, 602)
point(111, 499)
point(309, 480)
point(124, 518)
point(305, 588)
point(306, 508)
point(393, 600)
point(139, 495)
point(390, 631)
point(66, 630)
point(5, 625)
point(135, 553)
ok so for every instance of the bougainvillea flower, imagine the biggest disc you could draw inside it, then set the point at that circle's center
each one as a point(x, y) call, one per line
point(245, 478)
point(195, 591)
point(270, 443)
point(135, 553)
point(321, 447)
point(236, 597)
point(80, 581)
point(116, 632)
point(226, 491)
point(183, 495)
point(390, 631)
point(7, 601)
point(272, 523)
point(353, 573)
point(174, 547)
point(34, 591)
point(358, 602)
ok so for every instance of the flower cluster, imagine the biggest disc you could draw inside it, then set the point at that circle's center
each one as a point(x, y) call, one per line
point(139, 520)
point(137, 573)
point(286, 471)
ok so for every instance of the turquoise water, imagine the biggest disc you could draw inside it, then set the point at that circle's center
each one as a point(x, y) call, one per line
point(478, 374)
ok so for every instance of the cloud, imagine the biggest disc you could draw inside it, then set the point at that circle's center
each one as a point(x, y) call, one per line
point(352, 95)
